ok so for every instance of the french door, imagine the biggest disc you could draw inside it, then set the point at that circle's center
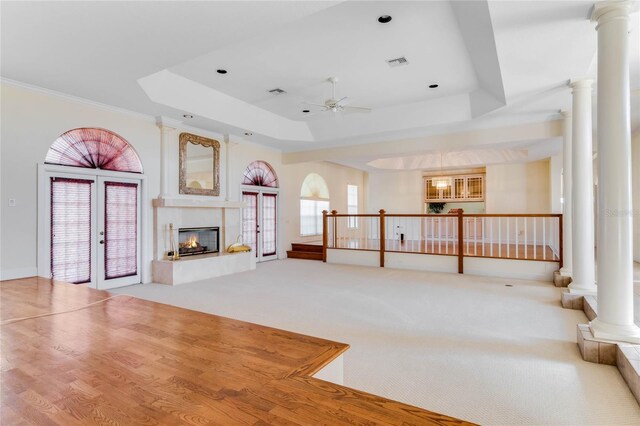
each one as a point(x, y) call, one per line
point(94, 230)
point(259, 223)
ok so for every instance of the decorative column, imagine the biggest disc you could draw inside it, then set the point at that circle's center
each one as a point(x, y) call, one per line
point(167, 127)
point(567, 256)
point(615, 227)
point(583, 239)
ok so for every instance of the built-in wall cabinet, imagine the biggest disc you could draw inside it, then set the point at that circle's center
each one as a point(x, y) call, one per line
point(458, 188)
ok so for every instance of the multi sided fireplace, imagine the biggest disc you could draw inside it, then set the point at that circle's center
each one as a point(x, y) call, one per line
point(193, 241)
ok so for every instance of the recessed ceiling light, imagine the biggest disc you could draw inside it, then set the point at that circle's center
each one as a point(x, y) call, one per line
point(305, 111)
point(433, 86)
point(248, 134)
point(384, 19)
point(187, 116)
point(221, 71)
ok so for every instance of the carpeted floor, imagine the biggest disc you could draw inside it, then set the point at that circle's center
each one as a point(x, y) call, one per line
point(492, 351)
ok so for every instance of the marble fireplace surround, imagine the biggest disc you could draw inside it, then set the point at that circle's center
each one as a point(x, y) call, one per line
point(187, 213)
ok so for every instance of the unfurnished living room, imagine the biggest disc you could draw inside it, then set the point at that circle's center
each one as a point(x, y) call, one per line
point(320, 212)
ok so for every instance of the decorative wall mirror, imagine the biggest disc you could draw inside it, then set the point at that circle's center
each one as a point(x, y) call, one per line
point(199, 165)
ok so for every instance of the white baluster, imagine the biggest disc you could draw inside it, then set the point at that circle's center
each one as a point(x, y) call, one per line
point(535, 239)
point(517, 237)
point(491, 220)
point(544, 238)
point(499, 237)
point(475, 236)
point(508, 238)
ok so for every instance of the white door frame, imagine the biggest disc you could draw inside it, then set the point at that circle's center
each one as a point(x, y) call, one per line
point(101, 282)
point(45, 172)
point(264, 190)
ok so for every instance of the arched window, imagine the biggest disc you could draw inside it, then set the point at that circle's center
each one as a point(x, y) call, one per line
point(94, 148)
point(260, 173)
point(314, 198)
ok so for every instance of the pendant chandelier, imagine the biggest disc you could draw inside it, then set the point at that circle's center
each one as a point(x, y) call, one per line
point(441, 182)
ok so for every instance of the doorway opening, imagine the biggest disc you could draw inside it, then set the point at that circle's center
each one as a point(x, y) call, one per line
point(89, 215)
point(260, 211)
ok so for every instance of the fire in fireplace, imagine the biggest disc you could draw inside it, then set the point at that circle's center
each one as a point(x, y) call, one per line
point(198, 240)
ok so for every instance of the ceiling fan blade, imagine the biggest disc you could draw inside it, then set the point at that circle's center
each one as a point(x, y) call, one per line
point(355, 109)
point(342, 101)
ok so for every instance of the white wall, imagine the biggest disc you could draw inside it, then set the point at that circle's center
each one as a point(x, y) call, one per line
point(518, 188)
point(555, 183)
point(395, 192)
point(291, 177)
point(510, 188)
point(636, 194)
point(31, 121)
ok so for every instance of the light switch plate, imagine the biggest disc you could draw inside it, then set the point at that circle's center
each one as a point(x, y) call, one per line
point(12, 202)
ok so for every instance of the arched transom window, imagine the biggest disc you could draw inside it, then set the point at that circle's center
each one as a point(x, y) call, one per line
point(314, 198)
point(94, 148)
point(260, 173)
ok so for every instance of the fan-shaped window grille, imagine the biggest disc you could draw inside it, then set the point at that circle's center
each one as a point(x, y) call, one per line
point(94, 148)
point(314, 198)
point(314, 187)
point(260, 173)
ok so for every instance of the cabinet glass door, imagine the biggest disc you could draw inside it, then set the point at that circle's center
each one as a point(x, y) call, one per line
point(474, 188)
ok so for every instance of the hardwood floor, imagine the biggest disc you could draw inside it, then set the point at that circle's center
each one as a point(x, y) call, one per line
point(129, 361)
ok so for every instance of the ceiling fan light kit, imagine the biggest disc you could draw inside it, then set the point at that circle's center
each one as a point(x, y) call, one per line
point(336, 105)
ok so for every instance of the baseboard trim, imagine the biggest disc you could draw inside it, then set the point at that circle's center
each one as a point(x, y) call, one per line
point(13, 274)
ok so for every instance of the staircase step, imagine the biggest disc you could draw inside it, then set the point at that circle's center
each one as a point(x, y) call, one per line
point(310, 248)
point(309, 255)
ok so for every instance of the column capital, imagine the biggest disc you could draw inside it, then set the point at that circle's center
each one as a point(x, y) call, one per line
point(605, 11)
point(167, 123)
point(582, 83)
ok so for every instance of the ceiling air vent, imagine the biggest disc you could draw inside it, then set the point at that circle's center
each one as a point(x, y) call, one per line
point(397, 61)
point(277, 91)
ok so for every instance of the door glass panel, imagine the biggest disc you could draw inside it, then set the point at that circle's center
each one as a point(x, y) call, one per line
point(249, 220)
point(71, 230)
point(268, 224)
point(120, 230)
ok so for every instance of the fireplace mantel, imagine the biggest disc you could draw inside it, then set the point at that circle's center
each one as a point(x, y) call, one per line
point(194, 203)
point(202, 267)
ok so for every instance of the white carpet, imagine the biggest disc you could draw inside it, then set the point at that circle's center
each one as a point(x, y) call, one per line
point(465, 346)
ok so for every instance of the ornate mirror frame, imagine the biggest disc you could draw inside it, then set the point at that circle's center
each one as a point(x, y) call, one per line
point(187, 138)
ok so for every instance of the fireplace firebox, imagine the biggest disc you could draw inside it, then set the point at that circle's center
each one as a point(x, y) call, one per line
point(192, 241)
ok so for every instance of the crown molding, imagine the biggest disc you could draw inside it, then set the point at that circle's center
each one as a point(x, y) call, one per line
point(146, 117)
point(168, 122)
point(77, 99)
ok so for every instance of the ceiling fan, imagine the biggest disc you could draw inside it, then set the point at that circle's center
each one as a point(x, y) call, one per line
point(334, 104)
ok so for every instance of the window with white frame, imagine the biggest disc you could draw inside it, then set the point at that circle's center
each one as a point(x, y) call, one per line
point(352, 205)
point(314, 198)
